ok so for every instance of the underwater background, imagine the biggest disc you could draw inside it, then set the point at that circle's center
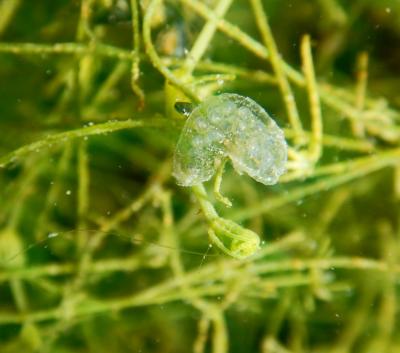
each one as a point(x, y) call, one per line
point(102, 251)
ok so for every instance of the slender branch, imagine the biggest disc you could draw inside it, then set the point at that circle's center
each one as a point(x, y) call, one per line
point(315, 147)
point(62, 137)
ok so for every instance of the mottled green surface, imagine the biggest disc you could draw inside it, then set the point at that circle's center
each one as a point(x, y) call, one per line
point(101, 251)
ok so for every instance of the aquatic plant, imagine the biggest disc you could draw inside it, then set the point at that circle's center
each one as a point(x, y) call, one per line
point(101, 250)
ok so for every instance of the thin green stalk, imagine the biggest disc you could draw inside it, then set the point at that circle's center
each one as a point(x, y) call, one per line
point(156, 294)
point(135, 68)
point(360, 91)
point(221, 68)
point(83, 190)
point(338, 142)
point(356, 323)
point(382, 338)
point(327, 96)
point(203, 40)
point(231, 30)
point(206, 206)
point(8, 9)
point(103, 92)
point(99, 129)
point(334, 10)
point(123, 265)
point(337, 168)
point(276, 62)
point(66, 49)
point(220, 334)
point(154, 57)
point(203, 328)
point(315, 146)
point(54, 190)
point(347, 174)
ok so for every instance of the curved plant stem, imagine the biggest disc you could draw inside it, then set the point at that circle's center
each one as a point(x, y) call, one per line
point(155, 59)
point(276, 62)
point(62, 137)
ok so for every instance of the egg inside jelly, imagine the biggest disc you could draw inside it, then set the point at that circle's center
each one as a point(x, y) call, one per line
point(233, 126)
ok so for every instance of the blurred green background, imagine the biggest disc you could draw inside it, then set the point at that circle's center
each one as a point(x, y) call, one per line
point(100, 250)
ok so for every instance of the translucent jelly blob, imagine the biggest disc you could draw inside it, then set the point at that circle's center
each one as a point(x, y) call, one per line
point(229, 126)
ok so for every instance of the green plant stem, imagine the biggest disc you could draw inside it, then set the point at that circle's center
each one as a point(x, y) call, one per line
point(327, 96)
point(53, 192)
point(346, 173)
point(156, 294)
point(66, 48)
point(7, 11)
point(83, 190)
point(339, 142)
point(276, 62)
point(206, 206)
point(135, 69)
point(154, 57)
point(204, 38)
point(315, 146)
point(62, 137)
point(130, 264)
point(360, 91)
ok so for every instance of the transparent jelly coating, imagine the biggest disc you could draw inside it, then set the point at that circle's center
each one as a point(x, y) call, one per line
point(233, 126)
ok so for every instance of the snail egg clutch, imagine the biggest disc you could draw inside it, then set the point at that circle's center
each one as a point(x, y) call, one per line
point(234, 127)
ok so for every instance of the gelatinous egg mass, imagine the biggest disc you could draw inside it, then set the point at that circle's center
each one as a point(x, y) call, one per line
point(233, 126)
